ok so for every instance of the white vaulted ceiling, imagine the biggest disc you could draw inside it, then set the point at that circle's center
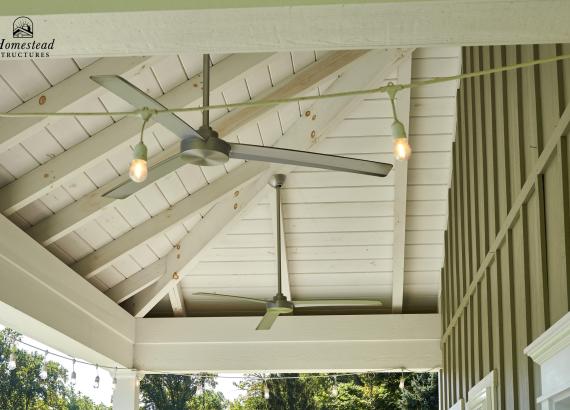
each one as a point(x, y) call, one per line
point(338, 228)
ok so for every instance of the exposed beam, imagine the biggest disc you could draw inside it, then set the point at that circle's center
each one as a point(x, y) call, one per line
point(44, 299)
point(66, 220)
point(177, 301)
point(95, 262)
point(294, 344)
point(95, 149)
point(400, 193)
point(137, 282)
point(224, 27)
point(367, 71)
point(63, 95)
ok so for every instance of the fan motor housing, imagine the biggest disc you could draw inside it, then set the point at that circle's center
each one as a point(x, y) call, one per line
point(212, 151)
point(280, 304)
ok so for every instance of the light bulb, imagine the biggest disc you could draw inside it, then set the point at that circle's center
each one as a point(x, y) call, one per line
point(73, 377)
point(96, 382)
point(402, 149)
point(402, 383)
point(43, 372)
point(138, 170)
point(266, 392)
point(12, 361)
point(334, 391)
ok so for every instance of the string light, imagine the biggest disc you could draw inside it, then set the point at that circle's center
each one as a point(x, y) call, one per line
point(138, 170)
point(400, 145)
point(115, 379)
point(265, 391)
point(12, 361)
point(97, 378)
point(334, 391)
point(73, 374)
point(43, 371)
point(402, 384)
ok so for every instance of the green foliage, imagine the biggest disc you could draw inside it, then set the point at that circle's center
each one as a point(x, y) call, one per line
point(22, 388)
point(355, 392)
point(179, 392)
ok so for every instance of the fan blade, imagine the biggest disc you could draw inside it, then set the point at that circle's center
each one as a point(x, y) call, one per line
point(267, 320)
point(309, 159)
point(336, 302)
point(139, 99)
point(155, 172)
point(220, 295)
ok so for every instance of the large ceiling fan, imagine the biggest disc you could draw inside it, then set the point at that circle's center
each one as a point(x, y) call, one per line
point(279, 304)
point(204, 147)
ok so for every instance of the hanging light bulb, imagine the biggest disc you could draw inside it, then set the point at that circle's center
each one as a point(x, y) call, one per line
point(73, 374)
point(43, 371)
point(138, 170)
point(266, 392)
point(97, 379)
point(200, 388)
point(12, 361)
point(334, 391)
point(401, 146)
point(402, 384)
point(115, 379)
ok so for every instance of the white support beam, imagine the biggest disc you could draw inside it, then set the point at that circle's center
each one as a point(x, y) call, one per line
point(177, 301)
point(286, 286)
point(66, 220)
point(62, 96)
point(137, 282)
point(95, 149)
point(400, 193)
point(276, 25)
point(367, 71)
point(126, 393)
point(44, 299)
point(294, 344)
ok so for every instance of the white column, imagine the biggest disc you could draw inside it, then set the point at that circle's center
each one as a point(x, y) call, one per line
point(126, 394)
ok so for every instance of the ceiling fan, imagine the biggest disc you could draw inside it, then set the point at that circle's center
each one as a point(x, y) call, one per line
point(279, 304)
point(204, 147)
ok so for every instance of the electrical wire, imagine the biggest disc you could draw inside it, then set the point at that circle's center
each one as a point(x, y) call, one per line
point(394, 88)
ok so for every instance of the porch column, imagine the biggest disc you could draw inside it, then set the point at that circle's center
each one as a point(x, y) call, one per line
point(126, 394)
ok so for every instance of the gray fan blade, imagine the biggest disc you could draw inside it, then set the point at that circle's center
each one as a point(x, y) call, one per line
point(155, 172)
point(309, 159)
point(139, 99)
point(267, 320)
point(336, 302)
point(220, 295)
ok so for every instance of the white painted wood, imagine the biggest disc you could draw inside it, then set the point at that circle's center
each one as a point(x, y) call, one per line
point(37, 288)
point(282, 27)
point(368, 70)
point(62, 96)
point(400, 171)
point(126, 393)
point(137, 282)
point(82, 156)
point(177, 301)
point(304, 343)
point(237, 121)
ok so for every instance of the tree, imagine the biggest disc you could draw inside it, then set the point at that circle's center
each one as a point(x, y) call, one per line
point(364, 391)
point(23, 389)
point(178, 392)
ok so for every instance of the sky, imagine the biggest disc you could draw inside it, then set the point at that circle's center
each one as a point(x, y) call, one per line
point(86, 376)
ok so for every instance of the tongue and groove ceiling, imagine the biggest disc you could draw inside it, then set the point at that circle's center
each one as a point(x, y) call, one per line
point(345, 235)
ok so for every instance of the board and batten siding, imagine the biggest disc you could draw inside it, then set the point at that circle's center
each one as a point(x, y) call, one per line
point(506, 275)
